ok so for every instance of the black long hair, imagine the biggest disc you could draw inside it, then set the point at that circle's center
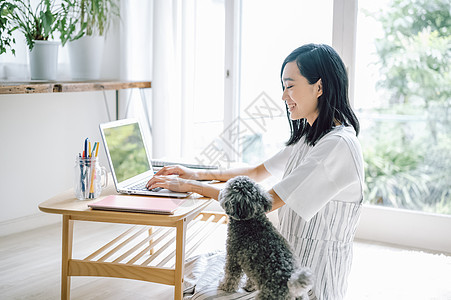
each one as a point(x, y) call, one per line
point(319, 61)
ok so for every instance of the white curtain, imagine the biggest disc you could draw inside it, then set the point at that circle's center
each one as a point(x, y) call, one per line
point(136, 60)
point(150, 50)
point(166, 80)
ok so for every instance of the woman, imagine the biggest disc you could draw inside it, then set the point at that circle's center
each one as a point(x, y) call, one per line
point(321, 190)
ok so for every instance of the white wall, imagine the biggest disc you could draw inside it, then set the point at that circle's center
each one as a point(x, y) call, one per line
point(40, 136)
point(408, 228)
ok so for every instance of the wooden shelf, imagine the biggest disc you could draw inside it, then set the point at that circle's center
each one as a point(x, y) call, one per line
point(38, 87)
point(32, 87)
point(146, 253)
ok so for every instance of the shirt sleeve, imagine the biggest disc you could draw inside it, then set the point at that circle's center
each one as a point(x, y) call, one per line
point(327, 170)
point(276, 164)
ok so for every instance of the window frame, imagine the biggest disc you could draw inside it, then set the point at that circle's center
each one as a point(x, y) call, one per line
point(232, 67)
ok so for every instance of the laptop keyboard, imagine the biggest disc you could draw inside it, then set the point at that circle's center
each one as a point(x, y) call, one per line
point(161, 164)
point(142, 187)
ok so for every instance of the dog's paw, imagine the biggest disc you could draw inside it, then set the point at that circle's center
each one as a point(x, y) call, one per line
point(249, 286)
point(300, 282)
point(228, 286)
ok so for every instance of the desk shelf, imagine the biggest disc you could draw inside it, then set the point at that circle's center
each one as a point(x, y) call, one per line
point(35, 87)
point(39, 86)
point(147, 253)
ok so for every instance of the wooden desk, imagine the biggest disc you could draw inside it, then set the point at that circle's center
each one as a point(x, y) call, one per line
point(37, 86)
point(129, 264)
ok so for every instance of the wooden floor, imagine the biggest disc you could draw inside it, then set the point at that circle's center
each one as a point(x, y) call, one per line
point(30, 266)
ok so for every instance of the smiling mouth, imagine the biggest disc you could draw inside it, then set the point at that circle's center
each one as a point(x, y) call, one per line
point(291, 106)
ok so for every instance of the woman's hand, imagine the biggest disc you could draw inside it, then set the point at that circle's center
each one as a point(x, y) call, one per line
point(181, 171)
point(171, 182)
point(180, 179)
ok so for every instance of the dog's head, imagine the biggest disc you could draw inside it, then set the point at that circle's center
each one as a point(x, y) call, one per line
point(243, 199)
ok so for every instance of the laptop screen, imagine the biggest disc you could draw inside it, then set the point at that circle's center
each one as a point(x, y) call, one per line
point(127, 151)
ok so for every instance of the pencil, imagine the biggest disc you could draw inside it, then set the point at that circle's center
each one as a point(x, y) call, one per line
point(97, 149)
point(93, 149)
point(91, 189)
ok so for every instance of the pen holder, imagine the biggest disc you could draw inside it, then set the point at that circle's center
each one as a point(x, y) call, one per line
point(88, 178)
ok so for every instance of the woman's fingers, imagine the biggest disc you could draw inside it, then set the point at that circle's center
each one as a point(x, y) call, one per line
point(170, 177)
point(153, 181)
point(173, 183)
point(164, 171)
point(169, 170)
point(182, 172)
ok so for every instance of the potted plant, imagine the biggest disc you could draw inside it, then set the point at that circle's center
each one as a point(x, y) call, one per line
point(6, 33)
point(37, 25)
point(83, 25)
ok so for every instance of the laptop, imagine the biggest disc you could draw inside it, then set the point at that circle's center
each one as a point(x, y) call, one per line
point(129, 159)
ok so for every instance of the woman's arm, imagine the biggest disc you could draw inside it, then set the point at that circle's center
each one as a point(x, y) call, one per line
point(277, 202)
point(204, 189)
point(186, 181)
point(177, 184)
point(257, 173)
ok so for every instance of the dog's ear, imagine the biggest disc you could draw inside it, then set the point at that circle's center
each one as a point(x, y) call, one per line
point(265, 200)
point(242, 198)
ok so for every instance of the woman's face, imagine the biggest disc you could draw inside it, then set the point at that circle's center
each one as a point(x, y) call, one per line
point(301, 96)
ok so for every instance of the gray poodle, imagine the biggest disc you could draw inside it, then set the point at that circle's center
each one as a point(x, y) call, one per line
point(256, 248)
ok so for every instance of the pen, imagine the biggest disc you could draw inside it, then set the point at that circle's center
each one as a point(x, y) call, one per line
point(82, 177)
point(86, 148)
point(88, 168)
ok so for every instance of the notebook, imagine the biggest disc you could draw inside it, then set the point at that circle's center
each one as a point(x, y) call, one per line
point(150, 205)
point(129, 159)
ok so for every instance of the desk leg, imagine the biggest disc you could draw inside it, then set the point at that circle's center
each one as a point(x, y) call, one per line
point(180, 258)
point(68, 233)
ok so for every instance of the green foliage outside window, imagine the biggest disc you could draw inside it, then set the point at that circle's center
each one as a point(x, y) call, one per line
point(408, 162)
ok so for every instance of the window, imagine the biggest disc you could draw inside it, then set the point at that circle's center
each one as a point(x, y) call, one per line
point(269, 32)
point(403, 98)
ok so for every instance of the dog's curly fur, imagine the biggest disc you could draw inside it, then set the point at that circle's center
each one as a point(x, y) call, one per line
point(256, 248)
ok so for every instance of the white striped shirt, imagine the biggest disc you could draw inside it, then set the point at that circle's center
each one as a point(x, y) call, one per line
point(322, 188)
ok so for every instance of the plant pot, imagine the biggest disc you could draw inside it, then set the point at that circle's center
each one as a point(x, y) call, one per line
point(44, 60)
point(86, 55)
